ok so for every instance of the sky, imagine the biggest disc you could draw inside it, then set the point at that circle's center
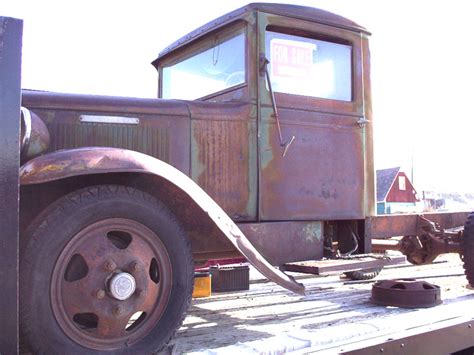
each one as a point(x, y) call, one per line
point(421, 55)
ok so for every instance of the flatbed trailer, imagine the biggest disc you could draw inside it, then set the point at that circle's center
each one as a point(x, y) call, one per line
point(336, 316)
point(108, 233)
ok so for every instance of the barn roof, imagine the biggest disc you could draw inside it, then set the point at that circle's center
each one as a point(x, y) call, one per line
point(385, 179)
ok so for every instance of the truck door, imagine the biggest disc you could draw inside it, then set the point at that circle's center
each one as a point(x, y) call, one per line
point(317, 79)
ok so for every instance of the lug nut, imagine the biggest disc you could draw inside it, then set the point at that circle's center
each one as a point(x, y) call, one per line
point(100, 294)
point(135, 267)
point(117, 310)
point(110, 265)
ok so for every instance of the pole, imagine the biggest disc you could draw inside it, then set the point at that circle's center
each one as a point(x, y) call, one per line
point(10, 98)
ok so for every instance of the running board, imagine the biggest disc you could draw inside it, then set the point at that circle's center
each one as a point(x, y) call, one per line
point(332, 266)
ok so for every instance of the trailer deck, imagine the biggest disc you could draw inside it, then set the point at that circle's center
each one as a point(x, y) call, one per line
point(335, 316)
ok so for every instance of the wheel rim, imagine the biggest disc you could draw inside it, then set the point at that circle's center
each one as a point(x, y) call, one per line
point(111, 284)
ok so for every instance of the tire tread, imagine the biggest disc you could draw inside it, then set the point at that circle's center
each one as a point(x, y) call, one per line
point(59, 210)
point(363, 274)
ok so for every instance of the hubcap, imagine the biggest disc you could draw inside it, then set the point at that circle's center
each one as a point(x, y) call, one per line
point(122, 286)
point(111, 284)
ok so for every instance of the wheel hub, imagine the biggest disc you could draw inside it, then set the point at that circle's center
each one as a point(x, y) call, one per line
point(112, 284)
point(121, 286)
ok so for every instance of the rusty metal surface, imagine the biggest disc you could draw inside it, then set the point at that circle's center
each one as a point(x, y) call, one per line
point(217, 148)
point(325, 267)
point(406, 293)
point(10, 94)
point(408, 224)
point(428, 238)
point(82, 290)
point(301, 12)
point(317, 179)
point(321, 176)
point(96, 160)
point(76, 102)
point(381, 245)
point(424, 247)
point(223, 155)
point(162, 130)
point(284, 242)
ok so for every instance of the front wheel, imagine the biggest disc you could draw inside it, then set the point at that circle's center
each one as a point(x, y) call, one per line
point(106, 269)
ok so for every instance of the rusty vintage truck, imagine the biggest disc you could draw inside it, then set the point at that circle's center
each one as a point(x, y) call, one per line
point(260, 144)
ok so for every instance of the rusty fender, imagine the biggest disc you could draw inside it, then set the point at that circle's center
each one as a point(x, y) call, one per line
point(95, 160)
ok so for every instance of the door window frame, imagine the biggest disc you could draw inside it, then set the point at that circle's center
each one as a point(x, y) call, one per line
point(275, 23)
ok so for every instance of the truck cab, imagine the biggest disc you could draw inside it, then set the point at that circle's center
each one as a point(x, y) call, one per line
point(299, 151)
point(302, 150)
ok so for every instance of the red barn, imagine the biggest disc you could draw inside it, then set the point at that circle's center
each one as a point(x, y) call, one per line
point(395, 193)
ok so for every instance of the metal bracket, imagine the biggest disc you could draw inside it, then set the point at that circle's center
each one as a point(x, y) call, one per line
point(362, 121)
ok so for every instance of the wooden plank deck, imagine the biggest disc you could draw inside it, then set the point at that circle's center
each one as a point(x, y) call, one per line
point(334, 314)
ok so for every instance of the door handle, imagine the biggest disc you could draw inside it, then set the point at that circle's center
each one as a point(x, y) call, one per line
point(362, 121)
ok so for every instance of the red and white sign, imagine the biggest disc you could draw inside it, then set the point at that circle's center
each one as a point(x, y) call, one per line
point(291, 59)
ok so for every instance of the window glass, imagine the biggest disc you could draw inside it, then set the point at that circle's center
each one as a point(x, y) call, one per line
point(401, 183)
point(213, 70)
point(309, 67)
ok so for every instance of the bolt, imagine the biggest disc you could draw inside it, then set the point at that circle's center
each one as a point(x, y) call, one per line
point(100, 294)
point(135, 267)
point(402, 345)
point(382, 350)
point(110, 265)
point(117, 310)
point(469, 326)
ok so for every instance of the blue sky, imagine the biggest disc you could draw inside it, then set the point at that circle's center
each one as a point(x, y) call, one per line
point(422, 66)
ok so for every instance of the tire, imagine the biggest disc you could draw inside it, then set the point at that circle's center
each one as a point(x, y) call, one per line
point(83, 255)
point(363, 274)
point(467, 249)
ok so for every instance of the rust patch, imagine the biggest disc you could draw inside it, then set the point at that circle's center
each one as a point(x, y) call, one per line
point(220, 164)
point(322, 175)
point(284, 242)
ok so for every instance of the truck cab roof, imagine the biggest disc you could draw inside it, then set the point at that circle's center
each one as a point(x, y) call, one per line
point(294, 11)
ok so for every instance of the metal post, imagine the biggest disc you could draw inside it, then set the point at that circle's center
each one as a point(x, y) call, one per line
point(10, 97)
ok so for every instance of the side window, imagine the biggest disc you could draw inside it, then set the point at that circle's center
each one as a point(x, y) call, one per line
point(215, 69)
point(309, 67)
point(401, 183)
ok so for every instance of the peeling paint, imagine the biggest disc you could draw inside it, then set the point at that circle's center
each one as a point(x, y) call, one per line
point(313, 231)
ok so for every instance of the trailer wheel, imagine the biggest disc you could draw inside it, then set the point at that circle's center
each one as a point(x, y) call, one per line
point(467, 249)
point(107, 269)
point(363, 274)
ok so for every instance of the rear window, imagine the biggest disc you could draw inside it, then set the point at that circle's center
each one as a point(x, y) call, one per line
point(309, 67)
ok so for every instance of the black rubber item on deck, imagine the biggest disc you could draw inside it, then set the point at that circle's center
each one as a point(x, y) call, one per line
point(406, 293)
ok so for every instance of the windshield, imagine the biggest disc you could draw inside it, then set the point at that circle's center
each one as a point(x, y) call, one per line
point(215, 69)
